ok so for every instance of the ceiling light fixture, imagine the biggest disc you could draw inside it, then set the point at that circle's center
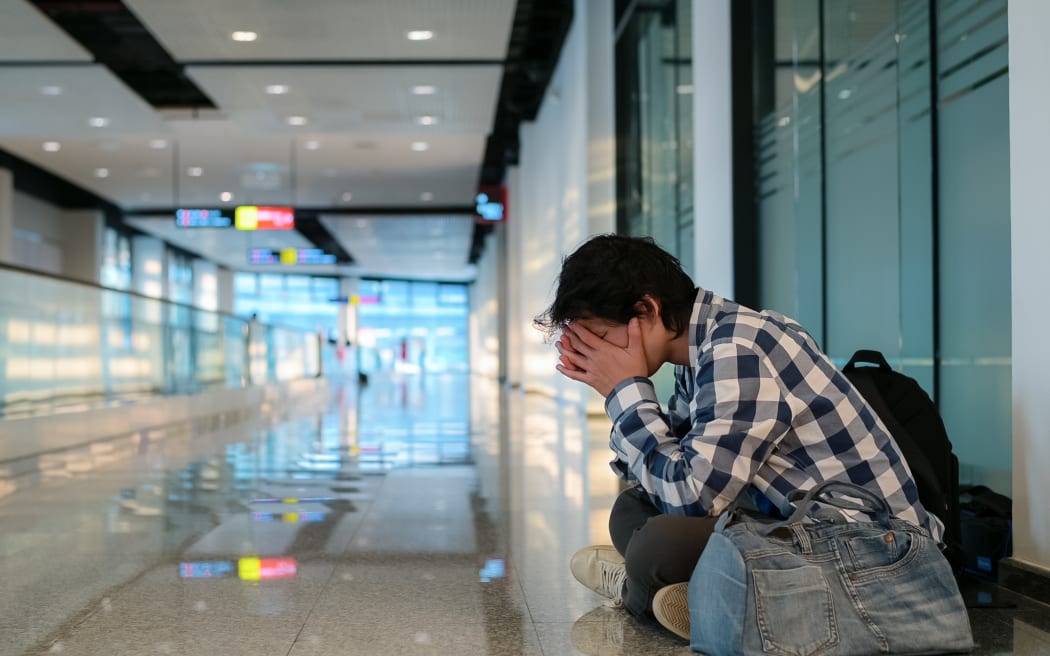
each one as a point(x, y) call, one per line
point(225, 196)
point(51, 146)
point(420, 35)
point(98, 121)
point(158, 144)
point(313, 144)
point(424, 90)
point(426, 196)
point(101, 173)
point(420, 146)
point(347, 196)
point(296, 120)
point(51, 90)
point(426, 119)
point(195, 171)
point(276, 89)
point(244, 37)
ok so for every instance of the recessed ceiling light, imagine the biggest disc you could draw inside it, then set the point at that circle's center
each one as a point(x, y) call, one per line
point(276, 89)
point(98, 121)
point(426, 119)
point(424, 90)
point(420, 146)
point(51, 90)
point(295, 120)
point(195, 171)
point(313, 144)
point(158, 144)
point(420, 35)
point(347, 196)
point(225, 196)
point(244, 37)
point(51, 146)
point(426, 196)
point(101, 173)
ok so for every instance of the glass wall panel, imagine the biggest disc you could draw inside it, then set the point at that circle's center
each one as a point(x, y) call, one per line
point(655, 126)
point(974, 237)
point(67, 346)
point(861, 178)
point(882, 189)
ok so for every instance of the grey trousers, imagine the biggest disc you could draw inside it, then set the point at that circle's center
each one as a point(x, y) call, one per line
point(659, 549)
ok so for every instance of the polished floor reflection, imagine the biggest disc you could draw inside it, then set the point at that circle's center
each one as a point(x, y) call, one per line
point(419, 515)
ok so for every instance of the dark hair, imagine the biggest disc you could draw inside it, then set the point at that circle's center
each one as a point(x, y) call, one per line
point(607, 276)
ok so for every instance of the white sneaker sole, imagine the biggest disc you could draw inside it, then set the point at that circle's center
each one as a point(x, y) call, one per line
point(671, 608)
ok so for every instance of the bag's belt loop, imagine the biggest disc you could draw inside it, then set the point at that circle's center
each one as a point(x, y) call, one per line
point(802, 541)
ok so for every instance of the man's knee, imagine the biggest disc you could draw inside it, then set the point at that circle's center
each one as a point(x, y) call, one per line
point(667, 547)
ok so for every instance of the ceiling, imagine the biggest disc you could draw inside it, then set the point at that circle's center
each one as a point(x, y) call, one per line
point(347, 132)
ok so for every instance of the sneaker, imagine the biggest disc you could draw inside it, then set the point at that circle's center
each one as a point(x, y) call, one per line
point(601, 569)
point(671, 608)
point(599, 632)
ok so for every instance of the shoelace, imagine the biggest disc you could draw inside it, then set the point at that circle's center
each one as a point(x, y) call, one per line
point(613, 578)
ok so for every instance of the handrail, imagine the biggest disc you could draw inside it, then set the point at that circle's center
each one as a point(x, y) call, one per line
point(93, 285)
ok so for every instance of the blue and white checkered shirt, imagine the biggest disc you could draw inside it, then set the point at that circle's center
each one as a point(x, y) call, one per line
point(762, 411)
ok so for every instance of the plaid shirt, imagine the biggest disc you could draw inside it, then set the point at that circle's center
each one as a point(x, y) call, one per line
point(764, 411)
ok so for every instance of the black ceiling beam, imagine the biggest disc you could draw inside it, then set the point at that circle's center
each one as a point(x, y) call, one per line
point(537, 36)
point(340, 63)
point(314, 231)
point(407, 210)
point(117, 39)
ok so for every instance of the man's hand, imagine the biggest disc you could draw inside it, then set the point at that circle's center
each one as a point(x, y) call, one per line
point(601, 364)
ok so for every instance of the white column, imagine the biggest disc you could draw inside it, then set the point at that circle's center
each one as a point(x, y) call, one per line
point(713, 147)
point(7, 216)
point(1030, 269)
point(83, 232)
point(601, 118)
point(226, 290)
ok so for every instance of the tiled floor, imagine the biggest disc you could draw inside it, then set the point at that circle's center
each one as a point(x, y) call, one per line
point(427, 515)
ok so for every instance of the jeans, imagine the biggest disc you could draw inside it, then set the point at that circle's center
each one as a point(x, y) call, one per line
point(827, 587)
point(658, 549)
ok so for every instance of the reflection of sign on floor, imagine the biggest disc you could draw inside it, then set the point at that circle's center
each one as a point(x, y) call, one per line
point(248, 569)
point(264, 569)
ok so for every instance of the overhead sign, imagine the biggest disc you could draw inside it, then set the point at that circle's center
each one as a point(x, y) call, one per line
point(202, 218)
point(289, 256)
point(491, 204)
point(251, 217)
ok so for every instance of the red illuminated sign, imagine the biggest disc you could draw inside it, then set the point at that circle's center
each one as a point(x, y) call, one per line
point(250, 217)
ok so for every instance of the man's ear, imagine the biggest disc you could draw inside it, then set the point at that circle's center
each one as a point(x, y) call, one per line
point(648, 308)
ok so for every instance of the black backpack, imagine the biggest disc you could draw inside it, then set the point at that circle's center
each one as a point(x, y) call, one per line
point(917, 428)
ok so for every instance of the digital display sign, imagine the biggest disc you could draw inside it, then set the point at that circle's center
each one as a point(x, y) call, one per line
point(252, 217)
point(202, 218)
point(491, 204)
point(289, 256)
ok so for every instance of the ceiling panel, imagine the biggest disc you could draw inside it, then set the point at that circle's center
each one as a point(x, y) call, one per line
point(200, 30)
point(407, 246)
point(28, 35)
point(376, 99)
point(86, 92)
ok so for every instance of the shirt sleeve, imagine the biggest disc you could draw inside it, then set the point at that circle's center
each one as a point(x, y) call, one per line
point(740, 415)
point(677, 415)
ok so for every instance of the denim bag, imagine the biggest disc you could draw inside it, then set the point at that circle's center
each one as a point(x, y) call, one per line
point(817, 584)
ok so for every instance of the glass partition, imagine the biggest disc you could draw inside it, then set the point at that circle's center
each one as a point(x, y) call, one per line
point(68, 346)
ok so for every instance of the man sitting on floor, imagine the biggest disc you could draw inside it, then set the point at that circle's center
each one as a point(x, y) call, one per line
point(758, 412)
